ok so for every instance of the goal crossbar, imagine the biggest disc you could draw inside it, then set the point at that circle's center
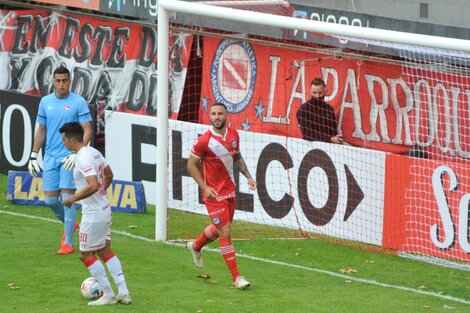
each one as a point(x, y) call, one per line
point(314, 26)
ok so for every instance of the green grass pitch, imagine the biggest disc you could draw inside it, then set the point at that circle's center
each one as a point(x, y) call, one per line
point(299, 275)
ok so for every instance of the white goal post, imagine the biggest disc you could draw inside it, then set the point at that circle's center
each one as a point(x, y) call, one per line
point(168, 7)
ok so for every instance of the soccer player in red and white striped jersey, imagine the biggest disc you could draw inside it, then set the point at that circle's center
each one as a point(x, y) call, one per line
point(218, 151)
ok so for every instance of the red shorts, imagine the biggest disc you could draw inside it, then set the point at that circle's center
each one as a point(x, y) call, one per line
point(221, 212)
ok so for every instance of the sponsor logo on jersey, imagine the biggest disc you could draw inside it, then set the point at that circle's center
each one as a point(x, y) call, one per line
point(67, 108)
point(226, 155)
point(227, 196)
point(219, 211)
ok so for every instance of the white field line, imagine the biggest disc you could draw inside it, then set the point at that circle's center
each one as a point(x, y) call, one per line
point(303, 268)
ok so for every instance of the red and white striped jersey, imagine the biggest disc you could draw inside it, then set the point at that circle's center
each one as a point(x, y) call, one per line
point(217, 155)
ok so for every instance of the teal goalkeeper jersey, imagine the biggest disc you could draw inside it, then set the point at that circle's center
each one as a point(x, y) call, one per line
point(54, 112)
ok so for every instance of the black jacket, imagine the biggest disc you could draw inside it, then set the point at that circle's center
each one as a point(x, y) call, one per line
point(317, 120)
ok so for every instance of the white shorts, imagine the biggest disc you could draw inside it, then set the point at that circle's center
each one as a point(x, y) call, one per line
point(93, 235)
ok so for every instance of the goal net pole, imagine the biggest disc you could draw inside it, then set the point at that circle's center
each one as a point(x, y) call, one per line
point(167, 7)
point(161, 192)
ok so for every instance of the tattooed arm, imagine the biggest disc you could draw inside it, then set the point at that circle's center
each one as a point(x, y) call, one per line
point(240, 162)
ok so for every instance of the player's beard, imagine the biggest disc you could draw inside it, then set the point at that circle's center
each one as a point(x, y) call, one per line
point(316, 101)
point(221, 126)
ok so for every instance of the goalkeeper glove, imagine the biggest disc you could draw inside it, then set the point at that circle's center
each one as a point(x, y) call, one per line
point(69, 161)
point(33, 166)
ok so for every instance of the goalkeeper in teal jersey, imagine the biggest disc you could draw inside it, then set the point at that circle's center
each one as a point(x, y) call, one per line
point(60, 107)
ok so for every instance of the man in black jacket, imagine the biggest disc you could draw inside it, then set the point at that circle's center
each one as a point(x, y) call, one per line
point(316, 118)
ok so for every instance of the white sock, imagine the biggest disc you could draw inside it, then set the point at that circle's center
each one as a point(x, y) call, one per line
point(115, 268)
point(98, 271)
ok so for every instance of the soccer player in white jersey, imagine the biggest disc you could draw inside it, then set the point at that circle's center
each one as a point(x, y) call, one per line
point(59, 107)
point(93, 176)
point(218, 151)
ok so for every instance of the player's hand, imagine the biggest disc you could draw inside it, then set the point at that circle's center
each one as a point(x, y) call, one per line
point(210, 193)
point(337, 139)
point(67, 202)
point(33, 165)
point(251, 184)
point(69, 161)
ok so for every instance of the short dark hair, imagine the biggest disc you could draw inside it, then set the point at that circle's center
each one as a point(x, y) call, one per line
point(318, 81)
point(72, 130)
point(61, 70)
point(220, 104)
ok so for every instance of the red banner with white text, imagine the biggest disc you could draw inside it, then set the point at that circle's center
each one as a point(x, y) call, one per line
point(375, 105)
point(113, 64)
point(426, 207)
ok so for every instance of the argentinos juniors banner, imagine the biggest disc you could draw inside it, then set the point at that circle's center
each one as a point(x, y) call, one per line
point(376, 106)
point(113, 65)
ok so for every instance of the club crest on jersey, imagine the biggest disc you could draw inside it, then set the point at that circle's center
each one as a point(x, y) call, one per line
point(233, 74)
point(234, 143)
point(216, 221)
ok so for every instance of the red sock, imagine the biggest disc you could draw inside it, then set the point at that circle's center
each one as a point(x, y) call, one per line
point(230, 258)
point(88, 262)
point(108, 257)
point(210, 234)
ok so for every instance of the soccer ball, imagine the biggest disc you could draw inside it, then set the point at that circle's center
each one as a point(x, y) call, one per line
point(90, 289)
